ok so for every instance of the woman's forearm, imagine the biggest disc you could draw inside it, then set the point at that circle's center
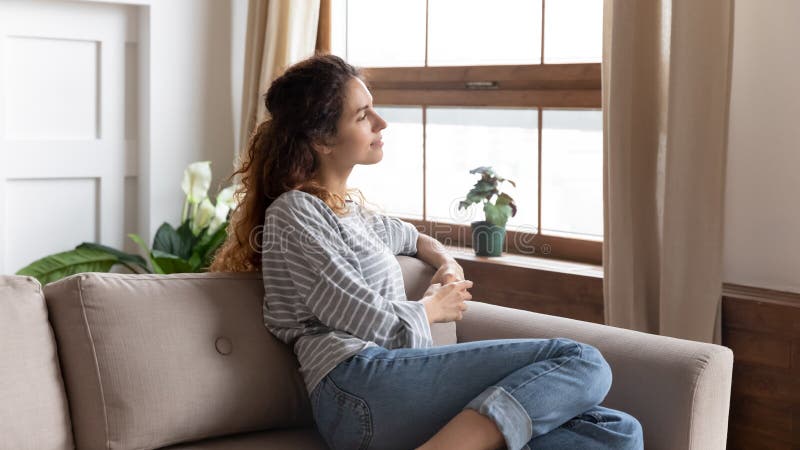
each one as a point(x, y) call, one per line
point(432, 251)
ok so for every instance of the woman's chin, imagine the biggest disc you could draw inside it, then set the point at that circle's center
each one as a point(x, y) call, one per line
point(374, 157)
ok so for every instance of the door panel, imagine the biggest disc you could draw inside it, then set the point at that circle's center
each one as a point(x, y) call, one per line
point(68, 127)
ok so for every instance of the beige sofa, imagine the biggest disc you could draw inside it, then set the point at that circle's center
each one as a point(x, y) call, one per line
point(101, 361)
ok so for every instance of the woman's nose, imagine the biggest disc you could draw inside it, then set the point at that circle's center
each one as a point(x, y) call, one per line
point(379, 123)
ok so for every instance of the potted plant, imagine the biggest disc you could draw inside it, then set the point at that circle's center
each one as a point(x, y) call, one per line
point(488, 235)
point(188, 248)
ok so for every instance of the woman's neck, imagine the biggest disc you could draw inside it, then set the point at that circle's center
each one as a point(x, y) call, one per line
point(334, 182)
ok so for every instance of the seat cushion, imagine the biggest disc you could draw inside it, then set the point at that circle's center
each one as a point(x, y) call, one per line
point(155, 360)
point(287, 439)
point(34, 412)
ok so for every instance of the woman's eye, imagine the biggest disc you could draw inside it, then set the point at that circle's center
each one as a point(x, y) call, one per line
point(363, 117)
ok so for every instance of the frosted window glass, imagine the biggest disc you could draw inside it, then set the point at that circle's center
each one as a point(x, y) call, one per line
point(478, 32)
point(572, 172)
point(339, 28)
point(395, 183)
point(386, 33)
point(573, 31)
point(461, 139)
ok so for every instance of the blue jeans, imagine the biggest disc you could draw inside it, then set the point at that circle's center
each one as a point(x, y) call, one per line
point(541, 394)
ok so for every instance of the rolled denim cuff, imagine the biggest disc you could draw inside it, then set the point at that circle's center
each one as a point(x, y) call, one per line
point(511, 418)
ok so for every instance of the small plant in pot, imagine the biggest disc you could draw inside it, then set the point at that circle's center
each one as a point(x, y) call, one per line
point(488, 235)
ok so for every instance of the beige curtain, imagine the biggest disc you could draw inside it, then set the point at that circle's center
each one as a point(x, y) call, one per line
point(279, 33)
point(666, 84)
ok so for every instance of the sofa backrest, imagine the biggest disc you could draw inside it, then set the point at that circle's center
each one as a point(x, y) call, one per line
point(152, 360)
point(33, 414)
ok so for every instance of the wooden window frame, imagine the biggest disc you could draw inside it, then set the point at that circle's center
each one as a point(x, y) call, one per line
point(540, 86)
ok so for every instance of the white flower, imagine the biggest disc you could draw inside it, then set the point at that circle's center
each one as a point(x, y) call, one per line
point(196, 181)
point(220, 216)
point(204, 215)
point(225, 197)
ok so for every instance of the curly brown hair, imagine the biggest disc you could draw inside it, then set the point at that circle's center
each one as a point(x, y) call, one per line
point(304, 104)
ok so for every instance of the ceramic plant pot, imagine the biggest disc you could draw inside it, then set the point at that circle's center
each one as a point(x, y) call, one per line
point(487, 238)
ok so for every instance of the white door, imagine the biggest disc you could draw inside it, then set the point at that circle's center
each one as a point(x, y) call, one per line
point(68, 127)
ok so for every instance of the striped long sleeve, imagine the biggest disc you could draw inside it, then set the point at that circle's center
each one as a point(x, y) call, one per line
point(399, 236)
point(329, 277)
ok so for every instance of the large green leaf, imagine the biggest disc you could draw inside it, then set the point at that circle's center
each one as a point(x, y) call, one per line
point(170, 263)
point(126, 259)
point(140, 242)
point(505, 199)
point(176, 242)
point(57, 266)
point(209, 248)
point(497, 214)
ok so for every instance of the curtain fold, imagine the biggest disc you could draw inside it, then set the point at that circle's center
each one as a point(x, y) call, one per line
point(666, 90)
point(279, 33)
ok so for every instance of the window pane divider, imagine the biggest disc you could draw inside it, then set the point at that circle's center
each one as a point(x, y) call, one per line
point(539, 177)
point(571, 76)
point(576, 99)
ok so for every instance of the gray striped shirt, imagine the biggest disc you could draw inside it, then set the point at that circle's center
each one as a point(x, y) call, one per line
point(333, 285)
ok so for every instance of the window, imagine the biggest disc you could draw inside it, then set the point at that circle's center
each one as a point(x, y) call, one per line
point(512, 84)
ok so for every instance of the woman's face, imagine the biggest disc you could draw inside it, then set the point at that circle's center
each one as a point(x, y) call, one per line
point(358, 137)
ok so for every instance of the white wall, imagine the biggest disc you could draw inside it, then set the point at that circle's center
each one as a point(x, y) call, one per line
point(190, 94)
point(762, 210)
point(238, 35)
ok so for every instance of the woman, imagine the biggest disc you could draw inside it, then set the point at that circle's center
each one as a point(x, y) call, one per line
point(334, 290)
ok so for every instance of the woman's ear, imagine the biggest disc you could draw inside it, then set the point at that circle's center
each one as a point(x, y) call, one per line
point(321, 147)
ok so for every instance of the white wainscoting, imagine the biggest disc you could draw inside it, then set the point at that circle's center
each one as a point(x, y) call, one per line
point(69, 127)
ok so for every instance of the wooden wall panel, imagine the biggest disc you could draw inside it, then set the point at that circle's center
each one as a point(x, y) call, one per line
point(762, 327)
point(569, 295)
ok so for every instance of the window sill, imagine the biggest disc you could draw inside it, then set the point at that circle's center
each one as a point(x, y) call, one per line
point(527, 262)
point(538, 284)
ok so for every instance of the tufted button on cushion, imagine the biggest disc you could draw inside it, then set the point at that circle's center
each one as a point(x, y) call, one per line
point(224, 346)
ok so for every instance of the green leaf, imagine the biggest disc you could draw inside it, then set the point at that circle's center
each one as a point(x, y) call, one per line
point(140, 242)
point(170, 263)
point(196, 261)
point(484, 171)
point(505, 199)
point(166, 238)
point(124, 258)
point(210, 248)
point(497, 214)
point(177, 242)
point(477, 197)
point(57, 266)
point(484, 186)
point(188, 240)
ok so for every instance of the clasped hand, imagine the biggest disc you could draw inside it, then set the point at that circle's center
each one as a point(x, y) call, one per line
point(447, 273)
point(444, 298)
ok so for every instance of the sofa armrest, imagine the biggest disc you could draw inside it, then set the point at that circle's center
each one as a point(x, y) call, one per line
point(679, 390)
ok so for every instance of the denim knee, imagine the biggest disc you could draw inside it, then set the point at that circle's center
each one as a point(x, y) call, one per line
point(599, 376)
point(632, 429)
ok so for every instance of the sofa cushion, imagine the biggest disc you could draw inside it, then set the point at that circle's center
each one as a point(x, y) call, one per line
point(287, 439)
point(154, 360)
point(31, 387)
